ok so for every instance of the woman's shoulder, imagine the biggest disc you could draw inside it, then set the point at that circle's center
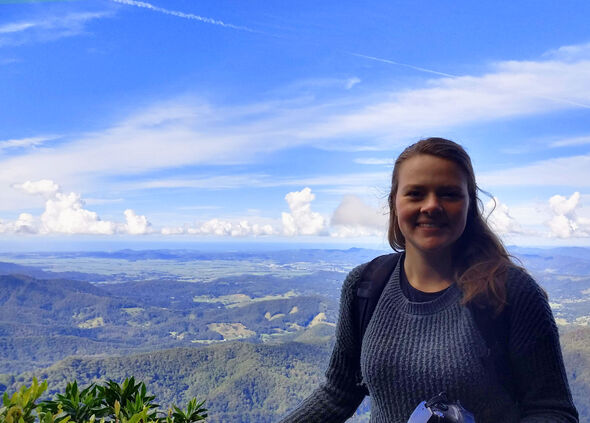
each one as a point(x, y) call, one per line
point(354, 276)
point(519, 282)
point(376, 268)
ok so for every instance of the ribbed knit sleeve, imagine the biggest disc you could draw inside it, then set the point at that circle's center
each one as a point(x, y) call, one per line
point(338, 397)
point(536, 359)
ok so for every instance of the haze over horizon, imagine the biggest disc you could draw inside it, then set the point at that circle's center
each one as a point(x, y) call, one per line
point(126, 122)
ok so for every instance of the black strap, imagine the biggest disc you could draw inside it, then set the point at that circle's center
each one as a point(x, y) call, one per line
point(373, 280)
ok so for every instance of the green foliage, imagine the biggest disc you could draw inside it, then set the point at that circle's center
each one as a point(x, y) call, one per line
point(194, 412)
point(76, 405)
point(111, 402)
point(131, 397)
point(19, 407)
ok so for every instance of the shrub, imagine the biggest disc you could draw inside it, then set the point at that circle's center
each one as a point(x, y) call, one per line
point(111, 402)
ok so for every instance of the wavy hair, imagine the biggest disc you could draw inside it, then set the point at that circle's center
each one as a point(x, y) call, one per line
point(480, 261)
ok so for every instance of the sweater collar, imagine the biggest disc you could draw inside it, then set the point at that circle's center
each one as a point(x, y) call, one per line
point(393, 290)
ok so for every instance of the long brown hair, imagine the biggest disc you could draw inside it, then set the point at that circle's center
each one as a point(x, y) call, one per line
point(480, 260)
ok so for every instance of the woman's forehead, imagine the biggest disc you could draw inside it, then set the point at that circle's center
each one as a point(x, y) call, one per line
point(427, 169)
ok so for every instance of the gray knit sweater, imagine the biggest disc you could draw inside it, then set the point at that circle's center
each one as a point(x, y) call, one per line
point(412, 351)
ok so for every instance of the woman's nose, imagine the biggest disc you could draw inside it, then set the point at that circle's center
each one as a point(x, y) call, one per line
point(431, 204)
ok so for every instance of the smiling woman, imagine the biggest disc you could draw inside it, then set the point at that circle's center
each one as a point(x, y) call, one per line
point(455, 315)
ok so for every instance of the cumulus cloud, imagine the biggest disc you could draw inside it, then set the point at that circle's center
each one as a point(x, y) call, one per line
point(355, 218)
point(565, 223)
point(65, 213)
point(500, 219)
point(24, 224)
point(136, 225)
point(45, 187)
point(220, 227)
point(301, 220)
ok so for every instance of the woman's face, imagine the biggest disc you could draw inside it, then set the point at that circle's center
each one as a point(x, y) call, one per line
point(431, 203)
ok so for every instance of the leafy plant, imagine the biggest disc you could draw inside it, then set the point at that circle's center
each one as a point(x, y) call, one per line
point(19, 407)
point(111, 402)
point(194, 412)
point(76, 405)
point(132, 397)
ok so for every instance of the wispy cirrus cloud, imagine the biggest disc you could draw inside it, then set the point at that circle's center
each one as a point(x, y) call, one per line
point(183, 15)
point(48, 28)
point(24, 142)
point(179, 133)
point(562, 171)
point(573, 141)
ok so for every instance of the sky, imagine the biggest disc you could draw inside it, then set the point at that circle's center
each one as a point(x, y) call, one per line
point(184, 121)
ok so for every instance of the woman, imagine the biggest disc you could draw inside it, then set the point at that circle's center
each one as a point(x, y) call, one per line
point(423, 337)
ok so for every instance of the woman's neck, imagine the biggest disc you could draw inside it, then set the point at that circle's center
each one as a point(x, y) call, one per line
point(429, 272)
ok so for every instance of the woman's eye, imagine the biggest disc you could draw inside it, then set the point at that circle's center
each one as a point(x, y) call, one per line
point(413, 194)
point(452, 194)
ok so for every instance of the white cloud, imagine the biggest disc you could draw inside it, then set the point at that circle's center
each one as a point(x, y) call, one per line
point(562, 171)
point(500, 218)
point(354, 218)
point(25, 224)
point(301, 220)
point(351, 82)
point(568, 53)
point(23, 142)
point(375, 161)
point(565, 223)
point(562, 205)
point(15, 27)
point(195, 132)
point(220, 227)
point(567, 142)
point(509, 89)
point(182, 14)
point(136, 225)
point(47, 29)
point(66, 214)
point(45, 187)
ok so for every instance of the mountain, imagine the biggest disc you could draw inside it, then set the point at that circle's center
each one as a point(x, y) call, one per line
point(243, 382)
point(45, 320)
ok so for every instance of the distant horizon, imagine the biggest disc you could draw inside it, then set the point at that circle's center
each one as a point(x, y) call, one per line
point(221, 246)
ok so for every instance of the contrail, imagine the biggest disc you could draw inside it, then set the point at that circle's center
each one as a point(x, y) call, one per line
point(183, 15)
point(391, 62)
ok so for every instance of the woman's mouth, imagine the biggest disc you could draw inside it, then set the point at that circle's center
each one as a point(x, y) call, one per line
point(429, 225)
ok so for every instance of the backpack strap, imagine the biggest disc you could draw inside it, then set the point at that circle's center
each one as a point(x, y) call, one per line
point(373, 279)
point(368, 290)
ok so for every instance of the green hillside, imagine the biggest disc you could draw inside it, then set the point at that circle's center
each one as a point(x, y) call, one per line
point(241, 382)
point(43, 320)
point(245, 382)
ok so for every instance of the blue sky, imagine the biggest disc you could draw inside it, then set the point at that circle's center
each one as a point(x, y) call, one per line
point(229, 120)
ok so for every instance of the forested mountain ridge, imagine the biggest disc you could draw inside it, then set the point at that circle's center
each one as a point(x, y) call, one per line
point(244, 382)
point(138, 310)
point(241, 382)
point(42, 321)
